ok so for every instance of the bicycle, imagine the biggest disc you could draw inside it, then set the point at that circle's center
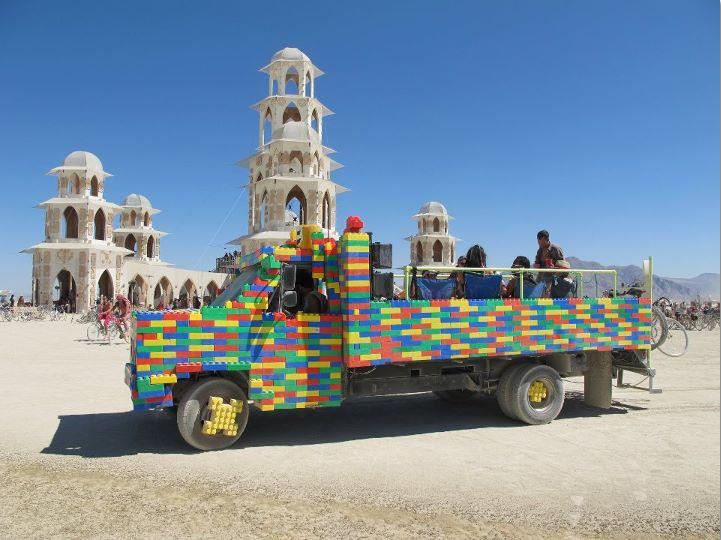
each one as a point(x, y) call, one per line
point(57, 314)
point(89, 316)
point(676, 342)
point(97, 331)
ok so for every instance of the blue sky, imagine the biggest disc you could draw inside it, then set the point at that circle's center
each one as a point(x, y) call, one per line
point(596, 120)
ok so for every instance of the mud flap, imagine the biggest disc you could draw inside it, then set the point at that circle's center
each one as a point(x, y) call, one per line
point(597, 379)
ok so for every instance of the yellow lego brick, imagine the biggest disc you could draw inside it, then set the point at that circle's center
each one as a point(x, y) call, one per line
point(308, 330)
point(163, 324)
point(308, 352)
point(318, 363)
point(224, 324)
point(195, 316)
point(163, 354)
point(142, 368)
point(273, 365)
point(412, 332)
point(201, 348)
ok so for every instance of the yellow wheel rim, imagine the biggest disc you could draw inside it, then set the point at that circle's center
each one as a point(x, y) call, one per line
point(222, 417)
point(537, 392)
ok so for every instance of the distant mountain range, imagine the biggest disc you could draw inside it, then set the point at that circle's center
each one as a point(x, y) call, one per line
point(703, 287)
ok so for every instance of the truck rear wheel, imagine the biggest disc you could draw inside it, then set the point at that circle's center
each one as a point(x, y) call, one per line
point(504, 390)
point(536, 394)
point(200, 406)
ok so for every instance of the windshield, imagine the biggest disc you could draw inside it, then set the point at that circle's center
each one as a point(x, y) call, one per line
point(232, 291)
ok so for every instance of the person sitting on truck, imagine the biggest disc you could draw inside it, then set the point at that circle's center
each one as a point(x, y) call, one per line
point(562, 285)
point(512, 288)
point(475, 258)
point(458, 276)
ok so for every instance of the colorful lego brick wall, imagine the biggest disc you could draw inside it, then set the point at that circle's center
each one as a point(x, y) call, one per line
point(355, 287)
point(377, 333)
point(290, 363)
point(401, 331)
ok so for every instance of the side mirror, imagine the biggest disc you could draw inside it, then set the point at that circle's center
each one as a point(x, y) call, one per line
point(290, 299)
point(288, 277)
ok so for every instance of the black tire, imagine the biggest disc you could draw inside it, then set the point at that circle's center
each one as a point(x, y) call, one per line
point(542, 412)
point(503, 392)
point(659, 329)
point(457, 396)
point(193, 407)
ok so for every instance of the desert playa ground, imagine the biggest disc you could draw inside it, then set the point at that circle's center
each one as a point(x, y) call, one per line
point(77, 463)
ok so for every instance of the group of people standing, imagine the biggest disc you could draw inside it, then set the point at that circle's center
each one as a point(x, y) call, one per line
point(548, 256)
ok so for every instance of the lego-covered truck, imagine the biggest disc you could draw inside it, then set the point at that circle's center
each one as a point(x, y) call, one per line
point(307, 325)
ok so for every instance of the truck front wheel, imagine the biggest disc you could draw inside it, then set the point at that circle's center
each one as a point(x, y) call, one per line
point(208, 419)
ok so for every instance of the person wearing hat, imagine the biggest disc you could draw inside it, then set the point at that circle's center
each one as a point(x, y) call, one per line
point(511, 289)
point(562, 285)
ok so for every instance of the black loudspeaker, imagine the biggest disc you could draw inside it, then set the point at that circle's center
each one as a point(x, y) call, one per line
point(381, 255)
point(383, 285)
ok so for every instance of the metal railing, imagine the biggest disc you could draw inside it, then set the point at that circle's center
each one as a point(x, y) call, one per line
point(407, 271)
